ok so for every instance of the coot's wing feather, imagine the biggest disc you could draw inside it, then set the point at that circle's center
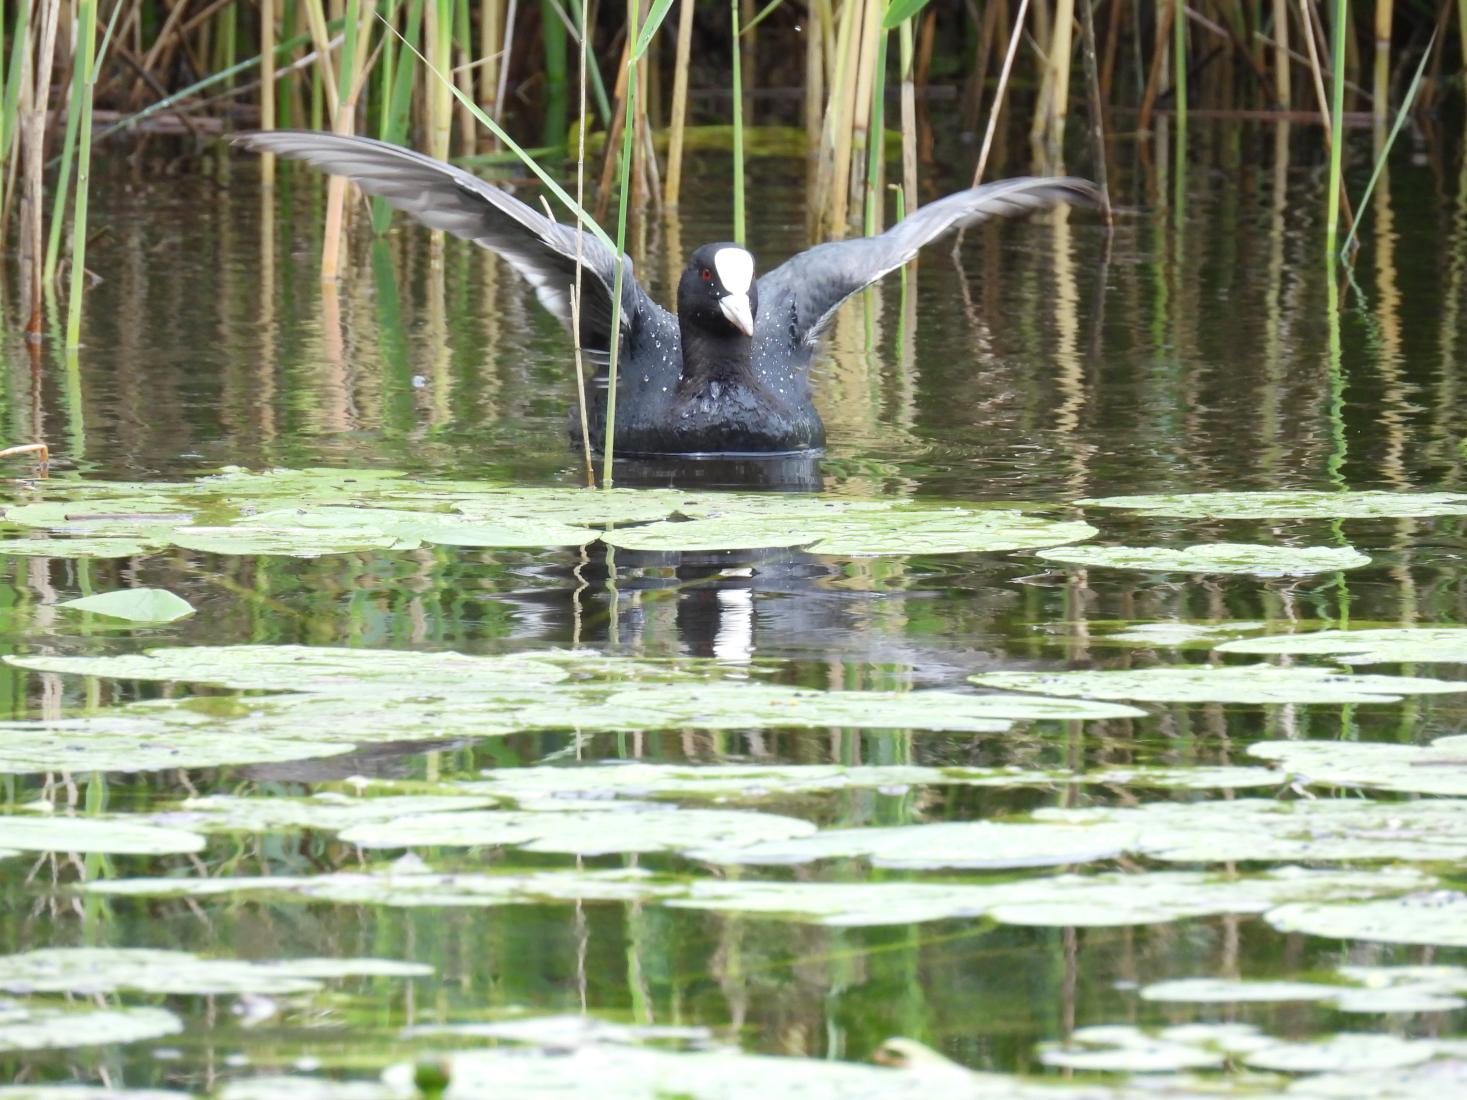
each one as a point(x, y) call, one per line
point(444, 197)
point(803, 293)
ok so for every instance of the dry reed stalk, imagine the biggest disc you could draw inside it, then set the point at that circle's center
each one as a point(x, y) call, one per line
point(33, 145)
point(267, 86)
point(679, 117)
point(360, 15)
point(1097, 106)
point(1158, 66)
point(1282, 93)
point(1381, 87)
point(613, 135)
point(491, 31)
point(499, 89)
point(909, 118)
point(835, 161)
point(816, 12)
point(438, 43)
point(869, 42)
point(1050, 125)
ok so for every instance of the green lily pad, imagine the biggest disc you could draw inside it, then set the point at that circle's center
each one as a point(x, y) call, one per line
point(438, 528)
point(732, 705)
point(747, 782)
point(1431, 1080)
point(42, 1027)
point(1381, 990)
point(294, 542)
point(281, 1087)
point(1440, 768)
point(581, 832)
point(146, 517)
point(91, 970)
point(225, 813)
point(139, 605)
point(1120, 1048)
point(1256, 684)
point(1233, 991)
point(967, 844)
point(1395, 646)
point(1346, 1052)
point(1289, 504)
point(1177, 634)
point(1214, 557)
point(91, 834)
point(76, 548)
point(910, 529)
point(1437, 917)
point(1109, 899)
point(1261, 829)
point(136, 739)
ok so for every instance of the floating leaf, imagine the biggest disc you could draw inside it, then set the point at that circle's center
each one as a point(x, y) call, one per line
point(1383, 989)
point(1440, 768)
point(581, 832)
point(414, 527)
point(1432, 1080)
point(225, 813)
point(910, 529)
point(755, 781)
point(147, 517)
point(1438, 917)
point(90, 834)
point(42, 1027)
point(1176, 634)
point(1110, 899)
point(76, 548)
point(1395, 646)
point(1256, 684)
point(1119, 1048)
point(278, 1087)
point(91, 970)
point(1232, 991)
point(1347, 1052)
point(968, 844)
point(294, 542)
point(1214, 557)
point(139, 605)
point(1259, 829)
point(1289, 504)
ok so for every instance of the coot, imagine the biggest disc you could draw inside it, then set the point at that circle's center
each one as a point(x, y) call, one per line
point(729, 373)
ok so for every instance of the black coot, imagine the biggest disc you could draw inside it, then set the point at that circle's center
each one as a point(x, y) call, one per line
point(729, 374)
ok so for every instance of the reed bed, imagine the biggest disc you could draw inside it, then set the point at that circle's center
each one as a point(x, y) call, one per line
point(496, 76)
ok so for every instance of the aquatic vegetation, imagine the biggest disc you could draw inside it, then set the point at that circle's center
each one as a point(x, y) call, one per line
point(1439, 768)
point(1293, 504)
point(1214, 557)
point(1257, 684)
point(1406, 645)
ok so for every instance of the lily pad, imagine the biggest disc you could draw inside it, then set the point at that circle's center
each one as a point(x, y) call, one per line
point(1437, 917)
point(1214, 557)
point(76, 548)
point(1260, 829)
point(293, 542)
point(91, 970)
point(748, 782)
point(1379, 990)
point(1289, 504)
point(90, 834)
point(1431, 1080)
point(415, 527)
point(146, 517)
point(910, 529)
point(41, 1027)
point(1440, 768)
point(139, 605)
point(1119, 1048)
point(1178, 634)
point(1233, 991)
point(1395, 646)
point(1347, 1052)
point(226, 813)
point(1256, 684)
point(1109, 899)
point(581, 832)
point(967, 844)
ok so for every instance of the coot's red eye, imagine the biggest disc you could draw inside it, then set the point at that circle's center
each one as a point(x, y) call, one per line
point(706, 275)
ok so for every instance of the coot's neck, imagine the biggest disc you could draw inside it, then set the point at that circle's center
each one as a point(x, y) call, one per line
point(714, 356)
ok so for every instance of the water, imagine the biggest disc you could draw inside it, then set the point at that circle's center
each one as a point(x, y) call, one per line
point(1189, 352)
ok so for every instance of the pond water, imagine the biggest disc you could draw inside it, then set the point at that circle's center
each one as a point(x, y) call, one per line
point(695, 821)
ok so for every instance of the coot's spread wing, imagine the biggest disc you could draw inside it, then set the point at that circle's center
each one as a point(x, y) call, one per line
point(444, 197)
point(802, 294)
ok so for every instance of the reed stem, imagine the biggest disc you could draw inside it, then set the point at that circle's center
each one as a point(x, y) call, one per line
point(738, 128)
point(634, 9)
point(85, 64)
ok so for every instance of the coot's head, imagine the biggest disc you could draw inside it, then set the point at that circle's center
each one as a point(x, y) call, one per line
point(717, 290)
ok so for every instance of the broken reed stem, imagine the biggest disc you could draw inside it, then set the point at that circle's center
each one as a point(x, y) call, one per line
point(998, 92)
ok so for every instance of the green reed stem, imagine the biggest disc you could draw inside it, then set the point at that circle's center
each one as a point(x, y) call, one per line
point(400, 101)
point(85, 67)
point(608, 444)
point(876, 135)
point(738, 129)
point(1336, 126)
